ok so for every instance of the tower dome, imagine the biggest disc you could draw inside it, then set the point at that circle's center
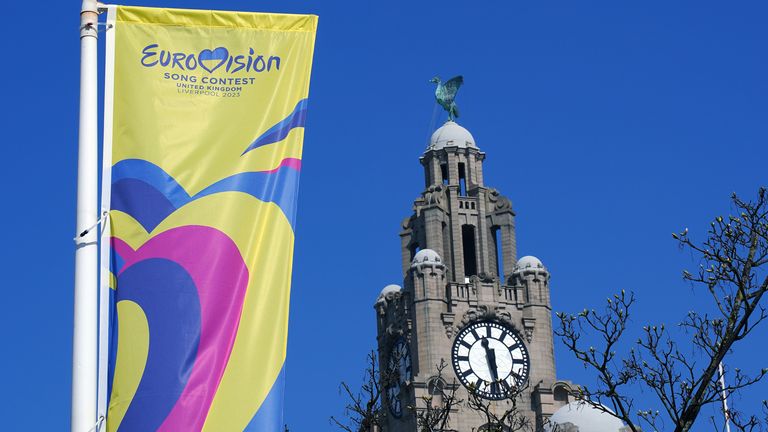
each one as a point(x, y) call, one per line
point(390, 289)
point(585, 418)
point(529, 262)
point(426, 256)
point(387, 290)
point(451, 134)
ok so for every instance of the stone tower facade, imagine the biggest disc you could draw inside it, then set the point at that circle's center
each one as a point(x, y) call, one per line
point(460, 266)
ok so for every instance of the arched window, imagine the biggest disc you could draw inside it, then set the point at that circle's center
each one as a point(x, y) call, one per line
point(470, 250)
point(444, 173)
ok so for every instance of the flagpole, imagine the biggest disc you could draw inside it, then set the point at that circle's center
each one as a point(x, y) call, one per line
point(725, 398)
point(85, 337)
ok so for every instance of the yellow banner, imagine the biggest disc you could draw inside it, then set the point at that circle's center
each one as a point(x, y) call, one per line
point(205, 114)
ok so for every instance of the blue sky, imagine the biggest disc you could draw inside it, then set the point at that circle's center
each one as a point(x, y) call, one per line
point(608, 124)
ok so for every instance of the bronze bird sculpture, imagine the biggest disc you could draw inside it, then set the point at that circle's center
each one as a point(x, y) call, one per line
point(445, 94)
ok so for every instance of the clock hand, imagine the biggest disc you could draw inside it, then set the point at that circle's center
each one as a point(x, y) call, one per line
point(490, 356)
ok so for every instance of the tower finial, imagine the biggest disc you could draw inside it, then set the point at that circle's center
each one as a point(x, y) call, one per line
point(445, 94)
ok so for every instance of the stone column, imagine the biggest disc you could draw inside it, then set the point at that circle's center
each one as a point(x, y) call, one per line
point(428, 305)
point(508, 246)
point(482, 235)
point(434, 165)
point(405, 242)
point(433, 226)
point(457, 251)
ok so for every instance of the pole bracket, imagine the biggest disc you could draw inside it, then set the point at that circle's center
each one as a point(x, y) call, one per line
point(85, 232)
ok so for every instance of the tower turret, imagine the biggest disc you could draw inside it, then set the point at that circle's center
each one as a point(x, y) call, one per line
point(469, 225)
point(453, 158)
point(426, 285)
point(533, 277)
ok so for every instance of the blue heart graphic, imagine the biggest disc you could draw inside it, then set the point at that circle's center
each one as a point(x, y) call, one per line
point(221, 54)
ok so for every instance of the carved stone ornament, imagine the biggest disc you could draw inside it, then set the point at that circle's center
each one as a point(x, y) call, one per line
point(498, 202)
point(387, 300)
point(485, 312)
point(503, 314)
point(398, 322)
point(528, 325)
point(448, 319)
point(434, 195)
point(394, 330)
point(406, 224)
point(486, 277)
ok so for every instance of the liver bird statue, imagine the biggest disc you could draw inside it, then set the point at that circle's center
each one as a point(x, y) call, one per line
point(445, 93)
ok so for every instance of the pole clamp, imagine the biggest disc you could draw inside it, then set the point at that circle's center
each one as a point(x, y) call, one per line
point(85, 232)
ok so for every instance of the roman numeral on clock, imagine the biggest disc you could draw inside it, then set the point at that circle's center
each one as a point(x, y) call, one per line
point(479, 383)
point(505, 386)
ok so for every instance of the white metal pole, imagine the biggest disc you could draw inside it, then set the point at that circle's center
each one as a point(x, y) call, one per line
point(85, 337)
point(725, 399)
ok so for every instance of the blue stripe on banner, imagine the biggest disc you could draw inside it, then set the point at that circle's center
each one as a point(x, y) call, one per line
point(142, 201)
point(269, 417)
point(153, 175)
point(281, 130)
point(147, 193)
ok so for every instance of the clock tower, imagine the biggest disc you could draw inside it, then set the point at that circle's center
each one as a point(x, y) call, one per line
point(466, 299)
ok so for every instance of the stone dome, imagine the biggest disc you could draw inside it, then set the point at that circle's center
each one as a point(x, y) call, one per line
point(389, 289)
point(426, 256)
point(529, 262)
point(451, 135)
point(586, 418)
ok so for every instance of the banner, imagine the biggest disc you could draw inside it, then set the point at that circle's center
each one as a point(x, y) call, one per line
point(204, 116)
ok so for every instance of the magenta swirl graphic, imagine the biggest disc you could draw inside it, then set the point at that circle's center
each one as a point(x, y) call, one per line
point(192, 297)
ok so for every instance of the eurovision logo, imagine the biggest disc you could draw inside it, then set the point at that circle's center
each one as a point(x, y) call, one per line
point(210, 60)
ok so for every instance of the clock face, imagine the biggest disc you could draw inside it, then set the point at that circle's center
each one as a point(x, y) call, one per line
point(491, 359)
point(399, 369)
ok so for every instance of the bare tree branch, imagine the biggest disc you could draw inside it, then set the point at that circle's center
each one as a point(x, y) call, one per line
point(363, 411)
point(732, 271)
point(609, 324)
point(435, 413)
point(510, 419)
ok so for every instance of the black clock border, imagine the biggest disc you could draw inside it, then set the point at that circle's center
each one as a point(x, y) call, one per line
point(455, 362)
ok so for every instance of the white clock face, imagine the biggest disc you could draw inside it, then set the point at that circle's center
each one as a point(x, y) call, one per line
point(491, 359)
point(399, 368)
